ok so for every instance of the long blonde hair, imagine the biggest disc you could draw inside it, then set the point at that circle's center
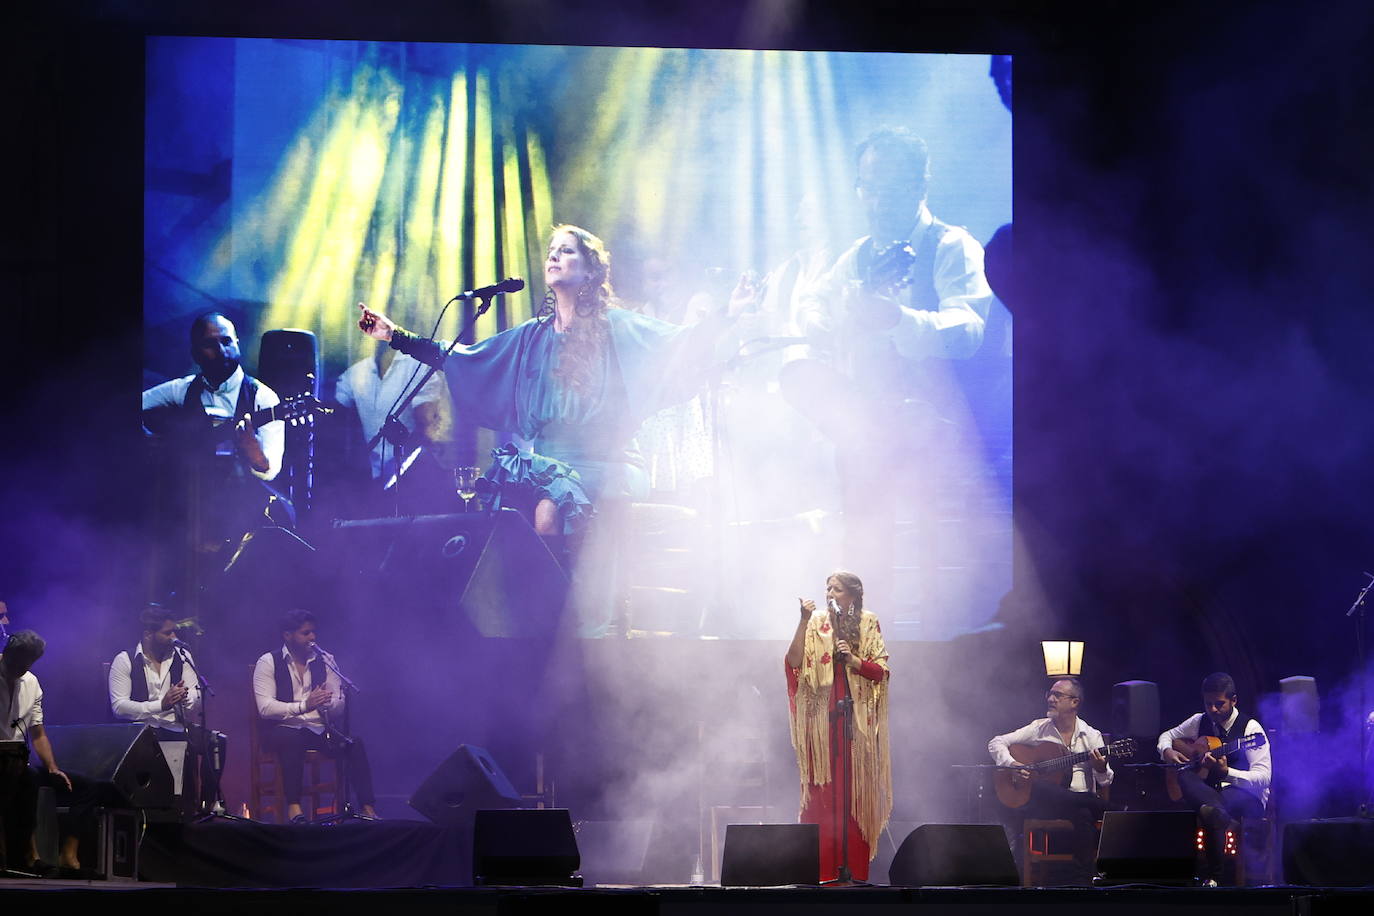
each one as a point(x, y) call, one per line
point(587, 337)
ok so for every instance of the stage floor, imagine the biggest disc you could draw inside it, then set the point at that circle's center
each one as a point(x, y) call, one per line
point(65, 897)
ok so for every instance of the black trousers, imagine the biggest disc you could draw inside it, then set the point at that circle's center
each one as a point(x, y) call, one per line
point(20, 814)
point(290, 745)
point(1082, 809)
point(1231, 803)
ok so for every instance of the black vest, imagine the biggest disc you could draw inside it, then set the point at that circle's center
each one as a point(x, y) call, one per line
point(1240, 760)
point(286, 690)
point(248, 396)
point(138, 676)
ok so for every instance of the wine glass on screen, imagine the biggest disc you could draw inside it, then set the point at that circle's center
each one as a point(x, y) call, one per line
point(465, 480)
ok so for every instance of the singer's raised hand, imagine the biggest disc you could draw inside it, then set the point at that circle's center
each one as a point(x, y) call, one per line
point(844, 652)
point(374, 324)
point(808, 607)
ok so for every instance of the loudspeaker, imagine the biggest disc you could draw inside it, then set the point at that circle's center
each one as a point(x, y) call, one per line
point(1152, 846)
point(946, 855)
point(525, 846)
point(289, 362)
point(1300, 704)
point(468, 780)
point(1135, 709)
point(127, 756)
point(766, 855)
point(490, 568)
point(1328, 853)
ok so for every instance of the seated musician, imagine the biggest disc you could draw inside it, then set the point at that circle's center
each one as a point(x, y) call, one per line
point(1060, 732)
point(300, 698)
point(155, 686)
point(1222, 788)
point(22, 696)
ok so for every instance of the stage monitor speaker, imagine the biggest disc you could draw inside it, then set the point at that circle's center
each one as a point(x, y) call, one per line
point(528, 846)
point(1135, 708)
point(289, 362)
point(948, 855)
point(465, 782)
point(1329, 853)
point(490, 568)
point(1148, 846)
point(766, 855)
point(126, 756)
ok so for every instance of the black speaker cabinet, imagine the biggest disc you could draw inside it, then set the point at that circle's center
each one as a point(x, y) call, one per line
point(465, 782)
point(946, 855)
point(766, 855)
point(289, 362)
point(126, 756)
point(1135, 709)
point(1149, 846)
point(489, 568)
point(1330, 853)
point(528, 846)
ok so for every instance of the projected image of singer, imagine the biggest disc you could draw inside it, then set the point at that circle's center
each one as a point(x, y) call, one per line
point(837, 673)
point(574, 382)
point(300, 699)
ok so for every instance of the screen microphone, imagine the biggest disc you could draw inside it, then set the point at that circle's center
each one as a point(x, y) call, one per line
point(508, 285)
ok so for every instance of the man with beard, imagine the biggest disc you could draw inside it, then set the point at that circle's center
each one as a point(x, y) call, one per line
point(218, 463)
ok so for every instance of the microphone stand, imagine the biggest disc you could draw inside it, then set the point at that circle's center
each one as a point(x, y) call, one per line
point(1362, 731)
point(393, 430)
point(208, 762)
point(343, 743)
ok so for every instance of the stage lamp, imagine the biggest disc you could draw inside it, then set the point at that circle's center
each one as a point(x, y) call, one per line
point(1063, 657)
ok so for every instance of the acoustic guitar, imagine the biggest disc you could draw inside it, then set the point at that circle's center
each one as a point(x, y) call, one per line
point(1049, 761)
point(1195, 748)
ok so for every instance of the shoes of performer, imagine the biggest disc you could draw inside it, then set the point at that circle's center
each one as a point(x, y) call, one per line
point(1210, 882)
point(300, 819)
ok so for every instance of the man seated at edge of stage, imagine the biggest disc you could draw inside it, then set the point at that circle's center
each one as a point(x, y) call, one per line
point(1236, 786)
point(149, 685)
point(22, 697)
point(301, 702)
point(1079, 803)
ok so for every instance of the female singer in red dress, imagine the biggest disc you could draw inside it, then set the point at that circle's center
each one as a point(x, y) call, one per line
point(837, 656)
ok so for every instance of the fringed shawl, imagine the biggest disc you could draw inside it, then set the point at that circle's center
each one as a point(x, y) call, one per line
point(871, 753)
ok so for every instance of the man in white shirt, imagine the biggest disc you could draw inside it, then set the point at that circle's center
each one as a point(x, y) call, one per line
point(372, 386)
point(187, 411)
point(300, 698)
point(884, 325)
point(155, 684)
point(1079, 802)
point(21, 699)
point(1222, 789)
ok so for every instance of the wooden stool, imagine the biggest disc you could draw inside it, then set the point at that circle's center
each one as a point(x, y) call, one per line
point(266, 791)
point(1038, 847)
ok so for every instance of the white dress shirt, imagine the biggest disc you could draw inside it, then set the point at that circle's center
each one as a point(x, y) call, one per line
point(24, 704)
point(293, 714)
point(150, 712)
point(220, 403)
point(372, 395)
point(953, 330)
point(1085, 738)
point(1256, 779)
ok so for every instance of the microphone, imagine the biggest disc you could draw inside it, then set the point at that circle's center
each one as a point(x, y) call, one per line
point(178, 644)
point(508, 285)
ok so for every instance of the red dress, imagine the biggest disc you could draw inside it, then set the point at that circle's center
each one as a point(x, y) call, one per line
point(823, 804)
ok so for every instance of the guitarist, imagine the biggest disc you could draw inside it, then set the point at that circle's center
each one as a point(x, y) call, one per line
point(218, 473)
point(1078, 802)
point(1226, 788)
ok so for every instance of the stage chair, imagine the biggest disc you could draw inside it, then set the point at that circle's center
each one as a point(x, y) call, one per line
point(1045, 843)
point(1252, 846)
point(265, 782)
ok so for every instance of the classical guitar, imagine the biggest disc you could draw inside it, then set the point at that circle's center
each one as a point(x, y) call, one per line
point(1049, 761)
point(1195, 748)
point(175, 424)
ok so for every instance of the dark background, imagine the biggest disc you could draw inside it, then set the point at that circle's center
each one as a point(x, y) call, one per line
point(1194, 446)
